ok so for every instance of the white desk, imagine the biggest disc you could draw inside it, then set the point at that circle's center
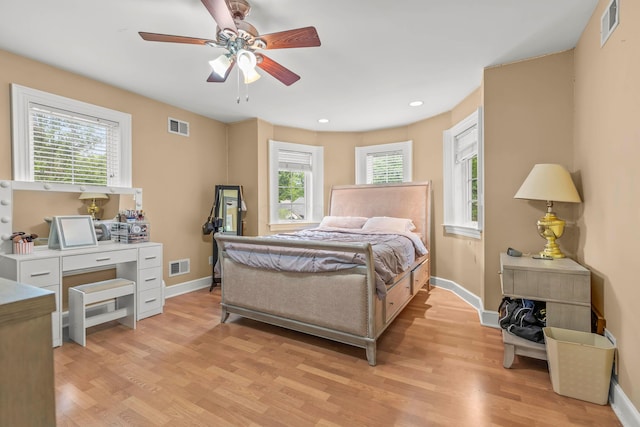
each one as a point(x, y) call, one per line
point(140, 262)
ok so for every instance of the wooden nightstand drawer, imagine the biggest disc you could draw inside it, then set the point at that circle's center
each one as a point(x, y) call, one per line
point(546, 285)
point(556, 280)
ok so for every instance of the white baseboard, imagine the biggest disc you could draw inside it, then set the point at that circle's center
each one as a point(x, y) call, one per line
point(620, 403)
point(186, 287)
point(622, 406)
point(487, 317)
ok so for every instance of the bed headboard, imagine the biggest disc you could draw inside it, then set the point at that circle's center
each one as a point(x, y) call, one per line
point(406, 200)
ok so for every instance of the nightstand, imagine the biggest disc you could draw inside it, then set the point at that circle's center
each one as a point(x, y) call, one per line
point(562, 283)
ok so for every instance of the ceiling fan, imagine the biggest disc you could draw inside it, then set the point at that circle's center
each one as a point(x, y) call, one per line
point(243, 43)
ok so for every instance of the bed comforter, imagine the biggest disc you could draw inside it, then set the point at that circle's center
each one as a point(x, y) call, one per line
point(393, 253)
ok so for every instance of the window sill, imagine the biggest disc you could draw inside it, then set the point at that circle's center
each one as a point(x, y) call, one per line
point(462, 230)
point(291, 226)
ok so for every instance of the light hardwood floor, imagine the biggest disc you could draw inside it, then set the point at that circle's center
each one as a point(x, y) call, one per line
point(437, 366)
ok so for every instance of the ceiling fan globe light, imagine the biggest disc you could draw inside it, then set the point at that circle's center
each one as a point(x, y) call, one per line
point(246, 60)
point(251, 76)
point(247, 63)
point(220, 65)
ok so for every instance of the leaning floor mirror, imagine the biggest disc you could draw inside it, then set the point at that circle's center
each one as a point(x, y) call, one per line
point(227, 210)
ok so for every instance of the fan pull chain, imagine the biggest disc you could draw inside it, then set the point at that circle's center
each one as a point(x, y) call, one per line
point(246, 85)
point(238, 85)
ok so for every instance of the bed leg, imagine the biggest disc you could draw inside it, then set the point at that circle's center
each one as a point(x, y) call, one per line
point(371, 353)
point(224, 315)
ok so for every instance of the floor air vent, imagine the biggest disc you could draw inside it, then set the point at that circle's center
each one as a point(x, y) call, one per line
point(178, 127)
point(182, 266)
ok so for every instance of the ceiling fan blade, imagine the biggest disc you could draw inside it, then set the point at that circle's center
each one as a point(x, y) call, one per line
point(153, 37)
point(281, 73)
point(221, 14)
point(215, 78)
point(300, 37)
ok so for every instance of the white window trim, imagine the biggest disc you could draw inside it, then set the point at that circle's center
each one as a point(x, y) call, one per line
point(315, 204)
point(22, 97)
point(449, 136)
point(362, 152)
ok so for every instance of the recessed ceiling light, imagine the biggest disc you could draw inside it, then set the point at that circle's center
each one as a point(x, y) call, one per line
point(323, 121)
point(415, 103)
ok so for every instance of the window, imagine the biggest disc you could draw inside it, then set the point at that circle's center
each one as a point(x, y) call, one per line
point(296, 180)
point(463, 187)
point(61, 140)
point(384, 163)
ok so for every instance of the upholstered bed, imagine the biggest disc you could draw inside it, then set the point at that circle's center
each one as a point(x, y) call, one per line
point(342, 305)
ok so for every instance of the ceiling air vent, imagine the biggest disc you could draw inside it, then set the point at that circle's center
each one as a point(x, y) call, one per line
point(609, 21)
point(182, 266)
point(178, 127)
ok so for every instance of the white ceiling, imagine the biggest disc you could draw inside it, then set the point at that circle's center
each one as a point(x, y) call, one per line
point(376, 56)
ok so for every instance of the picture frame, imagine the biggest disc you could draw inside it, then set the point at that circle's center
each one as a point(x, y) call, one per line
point(72, 232)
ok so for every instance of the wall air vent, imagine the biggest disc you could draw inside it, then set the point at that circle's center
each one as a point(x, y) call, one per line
point(181, 266)
point(609, 21)
point(178, 127)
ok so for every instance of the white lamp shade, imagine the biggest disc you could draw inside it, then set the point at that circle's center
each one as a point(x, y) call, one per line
point(549, 182)
point(247, 63)
point(220, 65)
point(92, 196)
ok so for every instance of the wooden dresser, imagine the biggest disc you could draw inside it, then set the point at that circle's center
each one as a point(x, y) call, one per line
point(27, 396)
point(563, 284)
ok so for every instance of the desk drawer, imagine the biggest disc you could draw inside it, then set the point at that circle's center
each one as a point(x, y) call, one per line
point(93, 260)
point(150, 257)
point(149, 300)
point(40, 272)
point(150, 278)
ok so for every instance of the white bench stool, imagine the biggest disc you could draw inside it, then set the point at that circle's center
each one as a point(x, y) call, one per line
point(83, 296)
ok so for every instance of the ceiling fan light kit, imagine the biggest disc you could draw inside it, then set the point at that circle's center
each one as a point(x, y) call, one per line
point(220, 65)
point(247, 64)
point(242, 41)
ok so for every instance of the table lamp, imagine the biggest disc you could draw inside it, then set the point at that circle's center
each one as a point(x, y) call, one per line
point(552, 183)
point(93, 209)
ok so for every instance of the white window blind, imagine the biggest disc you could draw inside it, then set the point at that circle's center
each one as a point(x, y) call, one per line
point(466, 145)
point(462, 177)
point(384, 163)
point(384, 167)
point(71, 147)
point(66, 141)
point(295, 183)
point(294, 160)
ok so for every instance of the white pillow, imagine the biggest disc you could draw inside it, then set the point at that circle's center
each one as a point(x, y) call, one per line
point(343, 221)
point(388, 223)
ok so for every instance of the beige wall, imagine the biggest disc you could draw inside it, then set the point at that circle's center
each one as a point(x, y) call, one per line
point(177, 174)
point(606, 153)
point(459, 259)
point(528, 114)
point(533, 113)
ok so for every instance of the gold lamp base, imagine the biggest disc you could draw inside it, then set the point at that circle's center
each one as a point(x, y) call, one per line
point(551, 228)
point(93, 209)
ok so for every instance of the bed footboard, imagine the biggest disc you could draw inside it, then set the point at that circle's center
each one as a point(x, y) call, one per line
point(338, 305)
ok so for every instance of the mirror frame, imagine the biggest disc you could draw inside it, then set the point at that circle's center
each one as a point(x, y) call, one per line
point(7, 187)
point(219, 208)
